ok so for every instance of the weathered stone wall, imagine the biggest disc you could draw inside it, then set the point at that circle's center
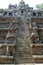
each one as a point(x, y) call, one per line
point(23, 51)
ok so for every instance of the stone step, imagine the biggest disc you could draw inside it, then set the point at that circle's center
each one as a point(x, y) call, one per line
point(38, 58)
point(6, 59)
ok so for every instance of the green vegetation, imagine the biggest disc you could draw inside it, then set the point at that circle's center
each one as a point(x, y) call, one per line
point(39, 6)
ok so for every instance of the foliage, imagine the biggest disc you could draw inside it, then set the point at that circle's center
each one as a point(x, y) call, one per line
point(40, 6)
